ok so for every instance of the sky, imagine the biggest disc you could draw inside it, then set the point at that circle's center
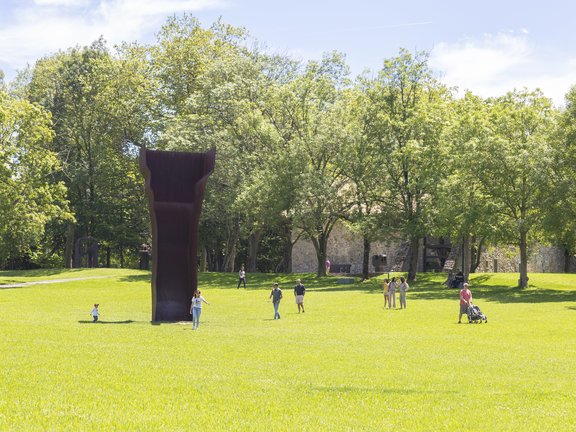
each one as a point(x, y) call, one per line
point(488, 47)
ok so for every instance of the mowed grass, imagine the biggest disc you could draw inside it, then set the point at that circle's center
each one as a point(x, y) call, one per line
point(345, 365)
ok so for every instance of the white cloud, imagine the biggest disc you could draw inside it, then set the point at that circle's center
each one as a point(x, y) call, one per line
point(52, 25)
point(495, 64)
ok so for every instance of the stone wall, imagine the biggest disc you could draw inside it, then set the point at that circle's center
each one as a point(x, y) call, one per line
point(541, 259)
point(345, 247)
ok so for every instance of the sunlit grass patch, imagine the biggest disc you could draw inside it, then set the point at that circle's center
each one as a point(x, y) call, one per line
point(345, 364)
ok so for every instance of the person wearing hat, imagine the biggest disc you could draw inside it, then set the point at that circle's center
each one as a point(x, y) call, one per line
point(276, 296)
point(299, 291)
point(465, 301)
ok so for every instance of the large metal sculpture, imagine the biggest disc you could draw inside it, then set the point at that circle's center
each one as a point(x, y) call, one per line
point(175, 185)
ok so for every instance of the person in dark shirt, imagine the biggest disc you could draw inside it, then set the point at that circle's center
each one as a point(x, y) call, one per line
point(276, 296)
point(299, 291)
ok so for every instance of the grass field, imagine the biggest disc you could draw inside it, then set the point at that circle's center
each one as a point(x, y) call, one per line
point(345, 365)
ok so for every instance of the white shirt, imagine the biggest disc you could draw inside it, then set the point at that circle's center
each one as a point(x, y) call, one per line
point(94, 312)
point(241, 274)
point(197, 302)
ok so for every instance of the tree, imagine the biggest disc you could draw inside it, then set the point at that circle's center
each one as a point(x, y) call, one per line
point(94, 102)
point(307, 115)
point(407, 112)
point(31, 196)
point(464, 211)
point(512, 166)
point(559, 194)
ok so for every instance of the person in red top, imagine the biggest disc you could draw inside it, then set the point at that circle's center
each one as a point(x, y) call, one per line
point(465, 301)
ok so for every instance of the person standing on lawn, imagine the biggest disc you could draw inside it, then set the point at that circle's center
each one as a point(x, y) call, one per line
point(403, 288)
point(465, 301)
point(95, 314)
point(241, 277)
point(392, 293)
point(276, 296)
point(196, 309)
point(386, 288)
point(299, 291)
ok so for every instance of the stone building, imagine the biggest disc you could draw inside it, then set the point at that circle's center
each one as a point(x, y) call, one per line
point(435, 254)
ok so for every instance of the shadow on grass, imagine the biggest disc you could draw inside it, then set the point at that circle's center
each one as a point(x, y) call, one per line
point(136, 278)
point(106, 322)
point(38, 272)
point(431, 289)
point(379, 390)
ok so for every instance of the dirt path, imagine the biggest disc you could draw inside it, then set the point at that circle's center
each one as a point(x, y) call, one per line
point(50, 281)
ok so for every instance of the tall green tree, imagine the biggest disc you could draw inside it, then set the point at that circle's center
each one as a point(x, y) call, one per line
point(513, 165)
point(31, 195)
point(408, 110)
point(559, 193)
point(90, 95)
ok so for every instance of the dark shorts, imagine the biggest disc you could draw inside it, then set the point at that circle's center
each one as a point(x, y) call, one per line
point(463, 308)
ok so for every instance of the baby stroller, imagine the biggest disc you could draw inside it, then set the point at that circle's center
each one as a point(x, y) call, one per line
point(475, 314)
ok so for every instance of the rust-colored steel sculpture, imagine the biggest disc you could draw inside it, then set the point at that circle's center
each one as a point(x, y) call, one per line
point(175, 185)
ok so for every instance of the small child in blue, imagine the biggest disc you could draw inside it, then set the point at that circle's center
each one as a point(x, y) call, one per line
point(94, 312)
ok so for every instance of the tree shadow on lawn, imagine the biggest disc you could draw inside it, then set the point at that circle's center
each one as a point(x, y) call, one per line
point(379, 390)
point(136, 278)
point(106, 322)
point(482, 290)
point(36, 273)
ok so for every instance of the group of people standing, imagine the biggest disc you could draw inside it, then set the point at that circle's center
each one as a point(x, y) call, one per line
point(390, 287)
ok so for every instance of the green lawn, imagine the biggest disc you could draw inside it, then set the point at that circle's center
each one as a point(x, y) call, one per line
point(344, 365)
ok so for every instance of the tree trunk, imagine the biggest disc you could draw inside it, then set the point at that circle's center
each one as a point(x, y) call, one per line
point(320, 245)
point(366, 259)
point(567, 256)
point(287, 256)
point(253, 243)
point(476, 255)
point(523, 281)
point(231, 247)
point(413, 263)
point(203, 259)
point(69, 246)
point(467, 256)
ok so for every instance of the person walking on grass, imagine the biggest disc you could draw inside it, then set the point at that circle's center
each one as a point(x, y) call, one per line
point(241, 277)
point(392, 293)
point(465, 301)
point(299, 291)
point(403, 288)
point(196, 309)
point(95, 314)
point(276, 296)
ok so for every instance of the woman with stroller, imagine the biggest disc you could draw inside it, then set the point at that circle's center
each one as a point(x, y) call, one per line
point(465, 301)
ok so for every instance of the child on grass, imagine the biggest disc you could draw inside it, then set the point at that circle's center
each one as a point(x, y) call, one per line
point(94, 312)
